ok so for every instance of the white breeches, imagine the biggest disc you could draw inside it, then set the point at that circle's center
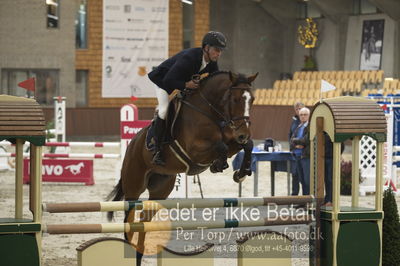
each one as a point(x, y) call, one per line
point(162, 97)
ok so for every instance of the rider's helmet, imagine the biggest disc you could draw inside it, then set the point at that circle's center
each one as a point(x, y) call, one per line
point(214, 38)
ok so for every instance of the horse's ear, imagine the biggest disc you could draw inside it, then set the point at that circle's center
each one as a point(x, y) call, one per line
point(252, 78)
point(233, 77)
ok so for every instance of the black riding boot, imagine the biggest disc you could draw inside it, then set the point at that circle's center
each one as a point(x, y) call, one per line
point(159, 128)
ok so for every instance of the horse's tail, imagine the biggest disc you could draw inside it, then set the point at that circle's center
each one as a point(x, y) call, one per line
point(115, 195)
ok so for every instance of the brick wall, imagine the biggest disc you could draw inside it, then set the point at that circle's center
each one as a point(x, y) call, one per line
point(91, 59)
point(201, 20)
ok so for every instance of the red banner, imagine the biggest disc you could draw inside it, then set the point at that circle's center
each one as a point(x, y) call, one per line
point(62, 170)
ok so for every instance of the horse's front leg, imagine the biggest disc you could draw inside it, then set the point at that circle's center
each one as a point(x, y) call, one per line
point(245, 167)
point(220, 164)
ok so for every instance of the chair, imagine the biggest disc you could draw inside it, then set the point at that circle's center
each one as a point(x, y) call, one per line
point(314, 75)
point(358, 74)
point(339, 75)
point(358, 86)
point(386, 85)
point(350, 85)
point(289, 84)
point(296, 75)
point(307, 75)
point(346, 74)
point(321, 75)
point(331, 74)
point(379, 75)
point(277, 84)
point(366, 76)
point(345, 86)
point(258, 96)
point(302, 75)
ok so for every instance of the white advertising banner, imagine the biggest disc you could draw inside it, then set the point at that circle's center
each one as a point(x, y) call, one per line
point(135, 39)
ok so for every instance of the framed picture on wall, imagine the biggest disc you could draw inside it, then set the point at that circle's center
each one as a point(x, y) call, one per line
point(372, 44)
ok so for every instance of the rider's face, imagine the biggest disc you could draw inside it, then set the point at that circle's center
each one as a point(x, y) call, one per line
point(213, 53)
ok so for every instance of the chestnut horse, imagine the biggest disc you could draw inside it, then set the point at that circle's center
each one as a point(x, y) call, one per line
point(212, 124)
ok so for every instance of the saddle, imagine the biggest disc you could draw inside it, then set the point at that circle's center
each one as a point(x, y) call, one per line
point(169, 139)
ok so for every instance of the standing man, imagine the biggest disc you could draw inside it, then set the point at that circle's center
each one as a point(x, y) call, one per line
point(295, 123)
point(176, 73)
point(300, 144)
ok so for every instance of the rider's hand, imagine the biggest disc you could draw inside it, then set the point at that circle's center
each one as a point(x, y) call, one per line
point(191, 85)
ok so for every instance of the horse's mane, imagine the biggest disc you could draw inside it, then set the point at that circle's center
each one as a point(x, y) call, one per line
point(241, 78)
point(212, 75)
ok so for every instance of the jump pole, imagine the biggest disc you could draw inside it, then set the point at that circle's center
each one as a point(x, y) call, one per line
point(168, 226)
point(173, 203)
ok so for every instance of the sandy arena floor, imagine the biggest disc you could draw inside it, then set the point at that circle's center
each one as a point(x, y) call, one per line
point(60, 249)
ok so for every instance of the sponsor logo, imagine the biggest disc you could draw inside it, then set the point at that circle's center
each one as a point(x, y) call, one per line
point(140, 9)
point(155, 21)
point(113, 20)
point(114, 29)
point(125, 59)
point(115, 38)
point(135, 90)
point(157, 59)
point(109, 47)
point(131, 130)
point(135, 20)
point(155, 39)
point(142, 71)
point(113, 7)
point(159, 9)
point(143, 59)
point(108, 71)
point(110, 58)
point(154, 47)
point(124, 74)
point(137, 30)
point(135, 39)
point(127, 8)
point(75, 168)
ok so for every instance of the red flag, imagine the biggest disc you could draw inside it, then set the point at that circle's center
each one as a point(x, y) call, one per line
point(133, 98)
point(28, 84)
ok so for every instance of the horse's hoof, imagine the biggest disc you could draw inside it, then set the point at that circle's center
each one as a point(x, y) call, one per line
point(237, 178)
point(213, 169)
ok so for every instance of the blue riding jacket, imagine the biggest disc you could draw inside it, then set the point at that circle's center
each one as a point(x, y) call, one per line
point(174, 72)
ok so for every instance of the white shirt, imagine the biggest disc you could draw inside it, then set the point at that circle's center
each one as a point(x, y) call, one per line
point(203, 64)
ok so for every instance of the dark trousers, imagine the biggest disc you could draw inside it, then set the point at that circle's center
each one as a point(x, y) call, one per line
point(295, 179)
point(328, 179)
point(303, 171)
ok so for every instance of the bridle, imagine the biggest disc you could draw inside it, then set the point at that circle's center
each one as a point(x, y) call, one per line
point(225, 120)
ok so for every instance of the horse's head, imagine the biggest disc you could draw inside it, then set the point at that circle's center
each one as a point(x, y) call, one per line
point(237, 102)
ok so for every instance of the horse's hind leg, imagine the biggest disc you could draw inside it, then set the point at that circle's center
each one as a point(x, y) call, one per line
point(159, 186)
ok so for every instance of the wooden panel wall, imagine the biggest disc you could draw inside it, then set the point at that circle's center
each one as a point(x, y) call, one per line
point(267, 121)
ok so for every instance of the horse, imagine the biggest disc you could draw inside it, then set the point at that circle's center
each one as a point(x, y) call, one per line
point(211, 124)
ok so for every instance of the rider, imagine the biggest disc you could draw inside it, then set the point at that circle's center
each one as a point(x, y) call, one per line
point(176, 73)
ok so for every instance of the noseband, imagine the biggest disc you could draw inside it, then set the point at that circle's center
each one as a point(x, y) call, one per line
point(224, 119)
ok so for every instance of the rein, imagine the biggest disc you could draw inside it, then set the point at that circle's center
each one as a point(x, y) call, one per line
point(225, 120)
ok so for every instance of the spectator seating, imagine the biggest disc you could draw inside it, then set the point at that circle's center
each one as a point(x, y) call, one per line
point(305, 86)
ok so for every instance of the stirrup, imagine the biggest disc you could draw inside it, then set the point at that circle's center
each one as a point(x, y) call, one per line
point(157, 159)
